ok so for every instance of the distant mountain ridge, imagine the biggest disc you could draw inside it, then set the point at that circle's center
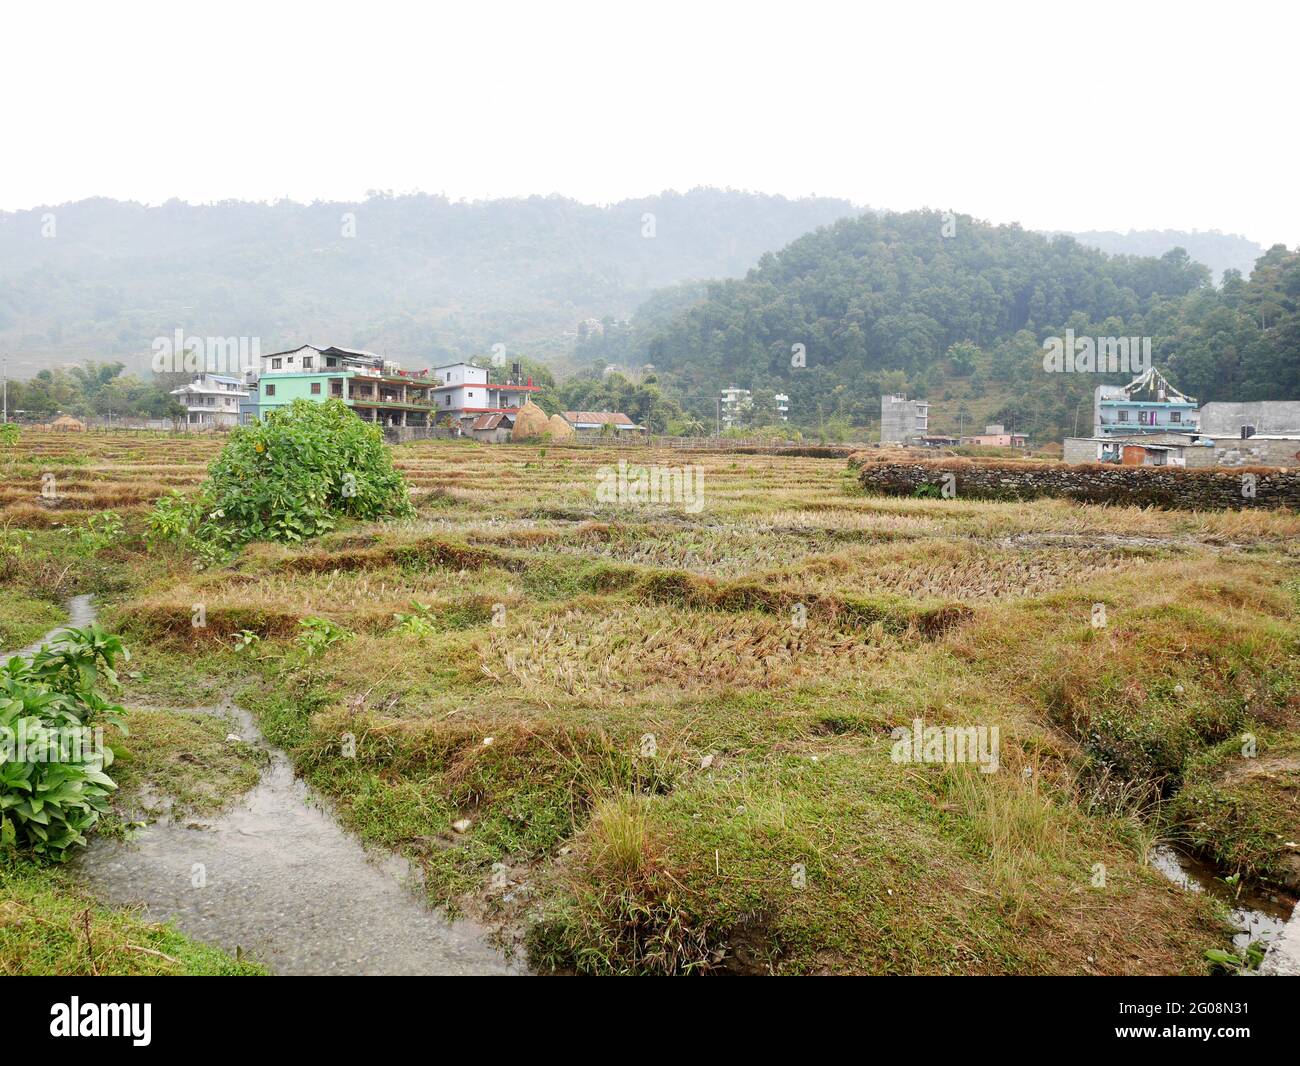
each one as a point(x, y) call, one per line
point(425, 279)
point(1218, 251)
point(883, 298)
point(417, 277)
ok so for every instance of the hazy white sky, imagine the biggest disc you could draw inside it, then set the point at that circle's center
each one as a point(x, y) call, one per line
point(1060, 116)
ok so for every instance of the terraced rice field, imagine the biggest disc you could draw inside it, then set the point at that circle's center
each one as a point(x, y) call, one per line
point(635, 738)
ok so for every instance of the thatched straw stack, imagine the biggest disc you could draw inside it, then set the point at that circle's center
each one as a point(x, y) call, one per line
point(559, 428)
point(68, 424)
point(530, 423)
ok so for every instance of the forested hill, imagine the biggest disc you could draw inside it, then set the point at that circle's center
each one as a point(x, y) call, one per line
point(890, 302)
point(892, 293)
point(1218, 251)
point(420, 277)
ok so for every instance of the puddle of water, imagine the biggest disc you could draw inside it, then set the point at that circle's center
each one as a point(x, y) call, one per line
point(1255, 916)
point(281, 879)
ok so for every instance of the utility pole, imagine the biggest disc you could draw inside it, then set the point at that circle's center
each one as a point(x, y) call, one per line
point(4, 382)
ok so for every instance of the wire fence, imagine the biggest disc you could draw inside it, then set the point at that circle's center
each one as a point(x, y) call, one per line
point(404, 434)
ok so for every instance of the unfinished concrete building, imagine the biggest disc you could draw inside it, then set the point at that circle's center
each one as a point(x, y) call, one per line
point(903, 421)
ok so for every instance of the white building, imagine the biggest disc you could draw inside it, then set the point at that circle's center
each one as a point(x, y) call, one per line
point(466, 391)
point(211, 400)
point(734, 404)
point(312, 360)
point(782, 406)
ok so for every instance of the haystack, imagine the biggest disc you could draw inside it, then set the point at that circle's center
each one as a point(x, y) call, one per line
point(559, 428)
point(530, 423)
point(68, 424)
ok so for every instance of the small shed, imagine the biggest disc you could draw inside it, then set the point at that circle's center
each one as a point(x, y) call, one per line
point(492, 428)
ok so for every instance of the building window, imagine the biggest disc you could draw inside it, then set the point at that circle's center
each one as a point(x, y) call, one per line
point(1142, 418)
point(306, 362)
point(1123, 416)
point(315, 388)
point(1175, 416)
point(270, 390)
point(275, 364)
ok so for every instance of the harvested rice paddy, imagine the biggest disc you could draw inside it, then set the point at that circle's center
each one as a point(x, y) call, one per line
point(652, 738)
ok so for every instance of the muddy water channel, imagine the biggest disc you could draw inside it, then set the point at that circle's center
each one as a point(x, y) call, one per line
point(277, 876)
point(1253, 915)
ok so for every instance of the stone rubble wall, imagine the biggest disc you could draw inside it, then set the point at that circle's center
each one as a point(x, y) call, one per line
point(1171, 487)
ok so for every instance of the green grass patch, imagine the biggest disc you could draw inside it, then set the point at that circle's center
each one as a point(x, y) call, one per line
point(181, 761)
point(25, 619)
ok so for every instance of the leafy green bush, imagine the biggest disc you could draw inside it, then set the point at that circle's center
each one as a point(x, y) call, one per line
point(287, 478)
point(318, 634)
point(420, 623)
point(102, 530)
point(53, 788)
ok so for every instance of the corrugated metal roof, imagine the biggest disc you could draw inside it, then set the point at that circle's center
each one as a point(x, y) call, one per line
point(486, 422)
point(600, 418)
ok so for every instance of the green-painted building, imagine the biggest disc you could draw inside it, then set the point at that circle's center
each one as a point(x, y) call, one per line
point(388, 399)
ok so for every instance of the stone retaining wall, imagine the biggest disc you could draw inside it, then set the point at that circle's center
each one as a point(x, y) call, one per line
point(1173, 487)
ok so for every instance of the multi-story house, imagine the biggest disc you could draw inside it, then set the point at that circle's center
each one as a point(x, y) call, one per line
point(733, 405)
point(463, 391)
point(379, 391)
point(903, 421)
point(1147, 404)
point(391, 398)
point(211, 400)
point(310, 358)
